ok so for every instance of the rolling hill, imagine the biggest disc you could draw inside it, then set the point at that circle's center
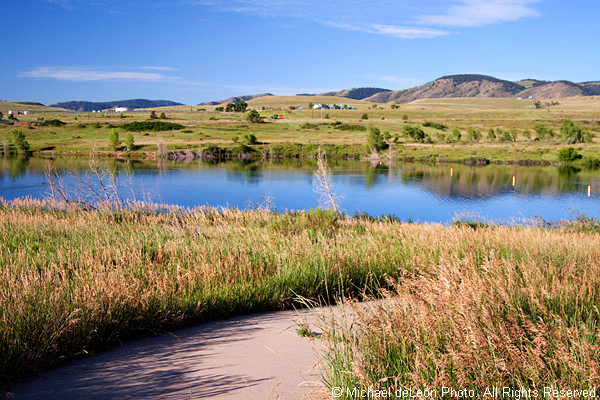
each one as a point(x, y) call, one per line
point(487, 87)
point(96, 106)
point(357, 93)
point(235, 99)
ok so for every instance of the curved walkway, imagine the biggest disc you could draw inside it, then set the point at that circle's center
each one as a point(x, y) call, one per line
point(252, 357)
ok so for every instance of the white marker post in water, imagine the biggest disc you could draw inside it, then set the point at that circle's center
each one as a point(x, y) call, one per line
point(514, 180)
point(589, 190)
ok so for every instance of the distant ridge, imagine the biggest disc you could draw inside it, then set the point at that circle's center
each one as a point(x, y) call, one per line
point(357, 93)
point(474, 85)
point(235, 99)
point(96, 106)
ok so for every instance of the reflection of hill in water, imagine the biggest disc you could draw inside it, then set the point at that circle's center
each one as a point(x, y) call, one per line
point(477, 182)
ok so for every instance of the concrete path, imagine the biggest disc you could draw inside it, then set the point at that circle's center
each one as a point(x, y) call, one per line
point(253, 357)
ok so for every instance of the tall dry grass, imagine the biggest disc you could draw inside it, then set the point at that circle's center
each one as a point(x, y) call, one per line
point(73, 282)
point(477, 308)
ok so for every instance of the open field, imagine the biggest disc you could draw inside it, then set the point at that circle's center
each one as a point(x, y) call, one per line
point(75, 282)
point(300, 132)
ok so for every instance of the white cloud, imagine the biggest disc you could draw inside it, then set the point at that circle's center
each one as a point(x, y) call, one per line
point(158, 68)
point(394, 18)
point(405, 32)
point(477, 13)
point(90, 74)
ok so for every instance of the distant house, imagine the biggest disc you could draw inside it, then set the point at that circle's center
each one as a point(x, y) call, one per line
point(123, 109)
point(317, 106)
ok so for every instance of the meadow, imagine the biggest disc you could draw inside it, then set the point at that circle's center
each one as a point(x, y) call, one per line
point(467, 304)
point(455, 130)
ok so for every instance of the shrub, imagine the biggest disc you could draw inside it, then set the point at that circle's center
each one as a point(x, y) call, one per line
point(543, 132)
point(365, 116)
point(239, 106)
point(219, 109)
point(153, 115)
point(18, 140)
point(163, 115)
point(53, 122)
point(491, 135)
point(590, 162)
point(473, 135)
point(456, 134)
point(572, 133)
point(250, 138)
point(350, 127)
point(113, 140)
point(568, 154)
point(414, 132)
point(375, 140)
point(435, 125)
point(308, 125)
point(404, 117)
point(505, 136)
point(254, 117)
point(153, 126)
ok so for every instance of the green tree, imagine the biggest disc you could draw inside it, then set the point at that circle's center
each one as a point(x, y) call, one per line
point(250, 138)
point(414, 132)
point(375, 139)
point(19, 141)
point(254, 117)
point(456, 134)
point(572, 132)
point(153, 115)
point(404, 117)
point(310, 105)
point(568, 154)
point(163, 115)
point(473, 135)
point(113, 139)
point(129, 142)
point(365, 116)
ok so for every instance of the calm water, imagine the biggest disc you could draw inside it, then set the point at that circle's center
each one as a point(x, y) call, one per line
point(412, 191)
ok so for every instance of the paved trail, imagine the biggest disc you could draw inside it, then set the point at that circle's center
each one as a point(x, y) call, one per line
point(255, 357)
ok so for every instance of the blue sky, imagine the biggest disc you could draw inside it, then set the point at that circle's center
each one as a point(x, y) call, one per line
point(198, 50)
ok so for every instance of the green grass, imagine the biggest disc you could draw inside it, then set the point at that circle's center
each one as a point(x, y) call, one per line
point(85, 133)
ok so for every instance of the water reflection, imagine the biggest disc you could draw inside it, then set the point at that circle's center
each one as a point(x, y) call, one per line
point(416, 191)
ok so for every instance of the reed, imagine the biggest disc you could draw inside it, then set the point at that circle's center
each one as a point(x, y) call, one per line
point(477, 308)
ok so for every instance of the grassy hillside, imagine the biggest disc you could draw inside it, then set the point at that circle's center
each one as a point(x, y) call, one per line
point(300, 132)
point(10, 105)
